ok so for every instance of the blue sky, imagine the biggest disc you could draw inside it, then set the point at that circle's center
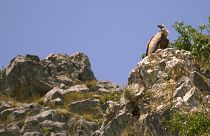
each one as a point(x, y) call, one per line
point(113, 33)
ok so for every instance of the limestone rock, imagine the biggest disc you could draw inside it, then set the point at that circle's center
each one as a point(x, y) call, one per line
point(54, 96)
point(162, 82)
point(4, 105)
point(28, 75)
point(82, 127)
point(165, 81)
point(32, 134)
point(83, 106)
point(10, 131)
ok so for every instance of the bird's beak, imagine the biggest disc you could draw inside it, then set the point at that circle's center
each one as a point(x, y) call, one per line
point(160, 26)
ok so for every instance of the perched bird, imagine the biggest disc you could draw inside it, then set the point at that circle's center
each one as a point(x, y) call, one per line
point(159, 41)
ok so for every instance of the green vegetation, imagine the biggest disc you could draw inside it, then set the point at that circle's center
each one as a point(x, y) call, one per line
point(128, 94)
point(76, 96)
point(46, 131)
point(110, 96)
point(188, 124)
point(148, 94)
point(195, 40)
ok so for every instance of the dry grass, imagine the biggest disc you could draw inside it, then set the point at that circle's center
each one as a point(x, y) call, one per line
point(92, 84)
point(75, 96)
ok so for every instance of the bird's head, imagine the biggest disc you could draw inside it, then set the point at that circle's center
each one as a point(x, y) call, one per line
point(163, 29)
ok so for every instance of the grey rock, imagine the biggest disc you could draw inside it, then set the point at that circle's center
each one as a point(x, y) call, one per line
point(31, 125)
point(23, 77)
point(4, 105)
point(56, 127)
point(57, 101)
point(107, 86)
point(19, 113)
point(10, 131)
point(81, 127)
point(76, 88)
point(5, 113)
point(32, 57)
point(28, 75)
point(116, 126)
point(82, 62)
point(54, 96)
point(162, 82)
point(200, 81)
point(31, 134)
point(85, 128)
point(83, 106)
point(46, 115)
point(183, 86)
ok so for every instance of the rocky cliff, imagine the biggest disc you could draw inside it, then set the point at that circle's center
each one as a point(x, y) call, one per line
point(60, 96)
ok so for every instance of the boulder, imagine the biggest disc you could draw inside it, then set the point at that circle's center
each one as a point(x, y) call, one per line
point(23, 77)
point(10, 131)
point(54, 96)
point(28, 75)
point(165, 81)
point(83, 106)
point(4, 105)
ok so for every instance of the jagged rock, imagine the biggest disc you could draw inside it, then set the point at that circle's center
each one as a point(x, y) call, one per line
point(83, 106)
point(19, 114)
point(164, 81)
point(81, 61)
point(23, 77)
point(31, 126)
point(82, 127)
point(55, 127)
point(32, 134)
point(10, 131)
point(28, 75)
point(76, 88)
point(116, 126)
point(5, 113)
point(45, 115)
point(4, 105)
point(107, 86)
point(200, 81)
point(54, 96)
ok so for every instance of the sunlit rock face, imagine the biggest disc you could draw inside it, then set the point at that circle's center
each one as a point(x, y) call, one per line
point(60, 95)
point(163, 82)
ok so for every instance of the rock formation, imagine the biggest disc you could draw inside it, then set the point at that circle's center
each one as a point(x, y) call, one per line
point(162, 84)
point(60, 96)
point(27, 75)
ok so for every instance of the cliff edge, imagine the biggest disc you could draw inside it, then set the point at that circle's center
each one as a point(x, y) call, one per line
point(167, 93)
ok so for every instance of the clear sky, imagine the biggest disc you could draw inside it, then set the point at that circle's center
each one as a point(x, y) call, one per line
point(113, 33)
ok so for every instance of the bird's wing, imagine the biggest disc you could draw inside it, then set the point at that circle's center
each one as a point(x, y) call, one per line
point(164, 42)
point(152, 45)
point(148, 45)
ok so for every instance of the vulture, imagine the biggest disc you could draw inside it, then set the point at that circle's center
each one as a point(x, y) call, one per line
point(159, 41)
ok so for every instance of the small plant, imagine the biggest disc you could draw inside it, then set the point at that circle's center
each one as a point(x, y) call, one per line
point(33, 98)
point(128, 94)
point(46, 131)
point(110, 96)
point(0, 72)
point(76, 96)
point(148, 94)
point(143, 56)
point(188, 124)
point(92, 84)
point(40, 101)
